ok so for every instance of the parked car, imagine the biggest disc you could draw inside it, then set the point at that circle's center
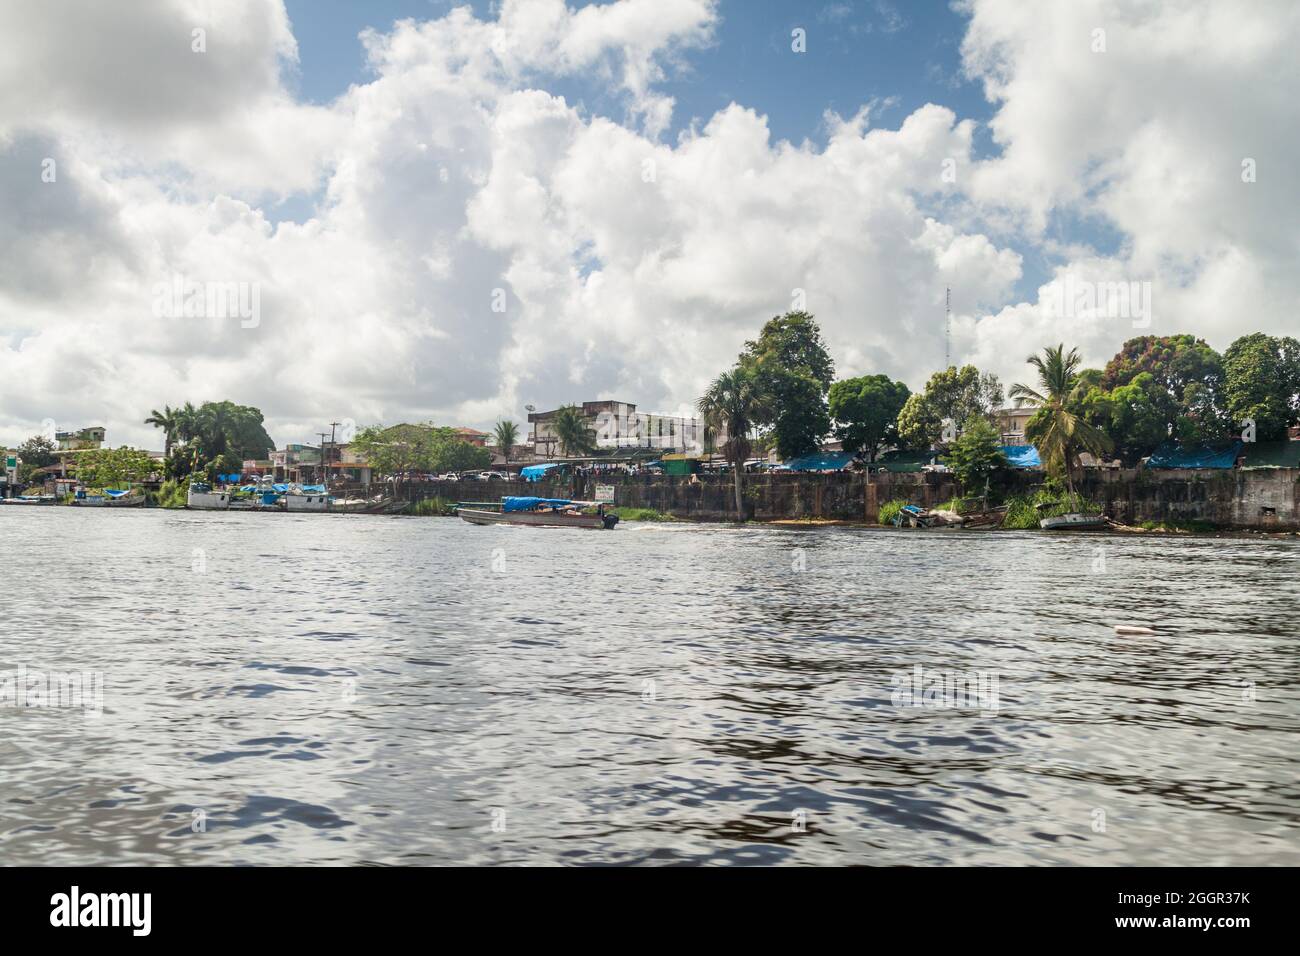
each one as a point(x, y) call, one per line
point(449, 476)
point(493, 476)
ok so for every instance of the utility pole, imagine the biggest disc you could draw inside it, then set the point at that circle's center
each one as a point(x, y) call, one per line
point(322, 454)
point(947, 327)
point(333, 425)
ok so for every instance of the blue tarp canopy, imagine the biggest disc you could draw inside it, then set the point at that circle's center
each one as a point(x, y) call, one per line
point(280, 488)
point(821, 461)
point(521, 503)
point(1022, 456)
point(116, 494)
point(1206, 454)
point(534, 472)
point(313, 489)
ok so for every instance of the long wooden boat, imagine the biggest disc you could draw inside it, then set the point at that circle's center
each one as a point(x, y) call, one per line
point(29, 500)
point(542, 513)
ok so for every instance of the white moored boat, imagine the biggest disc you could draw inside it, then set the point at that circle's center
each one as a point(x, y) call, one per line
point(1074, 521)
point(203, 497)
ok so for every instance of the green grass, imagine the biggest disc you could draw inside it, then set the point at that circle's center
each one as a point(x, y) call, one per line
point(640, 514)
point(890, 509)
point(1191, 527)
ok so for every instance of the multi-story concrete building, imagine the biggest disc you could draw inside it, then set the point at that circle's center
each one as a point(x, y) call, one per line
point(1010, 423)
point(81, 439)
point(619, 426)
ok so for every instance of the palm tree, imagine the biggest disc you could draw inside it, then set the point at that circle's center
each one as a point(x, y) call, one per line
point(168, 420)
point(506, 433)
point(572, 431)
point(1059, 433)
point(731, 406)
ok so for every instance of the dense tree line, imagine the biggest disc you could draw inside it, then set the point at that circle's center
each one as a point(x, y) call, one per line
point(782, 394)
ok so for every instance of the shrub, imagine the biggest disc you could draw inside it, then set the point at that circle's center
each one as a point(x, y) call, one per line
point(890, 509)
point(640, 514)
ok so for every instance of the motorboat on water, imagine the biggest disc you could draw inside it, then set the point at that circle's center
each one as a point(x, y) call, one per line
point(109, 498)
point(29, 500)
point(544, 513)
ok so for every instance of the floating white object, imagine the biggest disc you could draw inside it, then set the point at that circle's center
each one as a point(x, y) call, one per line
point(1130, 629)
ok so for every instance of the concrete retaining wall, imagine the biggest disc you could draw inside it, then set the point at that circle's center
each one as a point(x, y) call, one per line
point(1265, 499)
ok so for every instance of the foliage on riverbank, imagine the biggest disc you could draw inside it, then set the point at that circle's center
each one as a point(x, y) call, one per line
point(435, 507)
point(1181, 527)
point(171, 493)
point(1024, 513)
point(890, 509)
point(641, 514)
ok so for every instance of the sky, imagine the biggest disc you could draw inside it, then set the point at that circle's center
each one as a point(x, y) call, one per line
point(409, 210)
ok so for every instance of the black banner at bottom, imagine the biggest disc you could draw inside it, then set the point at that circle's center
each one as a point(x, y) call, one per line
point(332, 906)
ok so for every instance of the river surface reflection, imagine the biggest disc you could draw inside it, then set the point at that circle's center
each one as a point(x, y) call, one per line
point(350, 689)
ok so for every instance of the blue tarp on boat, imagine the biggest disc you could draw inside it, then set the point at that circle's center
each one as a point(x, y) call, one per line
point(313, 489)
point(821, 461)
point(536, 472)
point(1022, 456)
point(116, 494)
point(1207, 454)
point(525, 503)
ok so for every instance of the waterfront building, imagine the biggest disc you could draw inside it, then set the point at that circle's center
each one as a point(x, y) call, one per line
point(619, 427)
point(1010, 423)
point(296, 463)
point(82, 439)
point(473, 436)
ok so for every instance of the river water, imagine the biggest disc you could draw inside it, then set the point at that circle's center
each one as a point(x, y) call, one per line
point(285, 689)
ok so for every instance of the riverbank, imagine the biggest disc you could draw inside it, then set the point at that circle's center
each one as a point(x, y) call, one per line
point(1266, 500)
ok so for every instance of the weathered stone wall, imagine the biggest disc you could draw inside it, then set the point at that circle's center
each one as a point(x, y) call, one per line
point(1265, 499)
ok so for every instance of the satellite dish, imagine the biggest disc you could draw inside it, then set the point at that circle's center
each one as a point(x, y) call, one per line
point(530, 408)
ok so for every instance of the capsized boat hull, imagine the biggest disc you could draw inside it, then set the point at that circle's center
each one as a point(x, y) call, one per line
point(547, 519)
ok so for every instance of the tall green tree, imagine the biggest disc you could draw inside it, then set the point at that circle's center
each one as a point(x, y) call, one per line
point(576, 437)
point(1184, 382)
point(506, 434)
point(1057, 429)
point(1135, 415)
point(866, 412)
point(792, 367)
point(38, 452)
point(953, 395)
point(732, 406)
point(975, 456)
point(1262, 384)
point(116, 468)
point(169, 421)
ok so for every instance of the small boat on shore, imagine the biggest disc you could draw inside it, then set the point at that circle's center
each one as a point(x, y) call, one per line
point(1074, 521)
point(544, 513)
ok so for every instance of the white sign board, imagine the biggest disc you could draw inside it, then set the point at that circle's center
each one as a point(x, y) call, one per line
point(605, 493)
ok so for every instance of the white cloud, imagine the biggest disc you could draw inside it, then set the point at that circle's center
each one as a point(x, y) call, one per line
point(630, 267)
